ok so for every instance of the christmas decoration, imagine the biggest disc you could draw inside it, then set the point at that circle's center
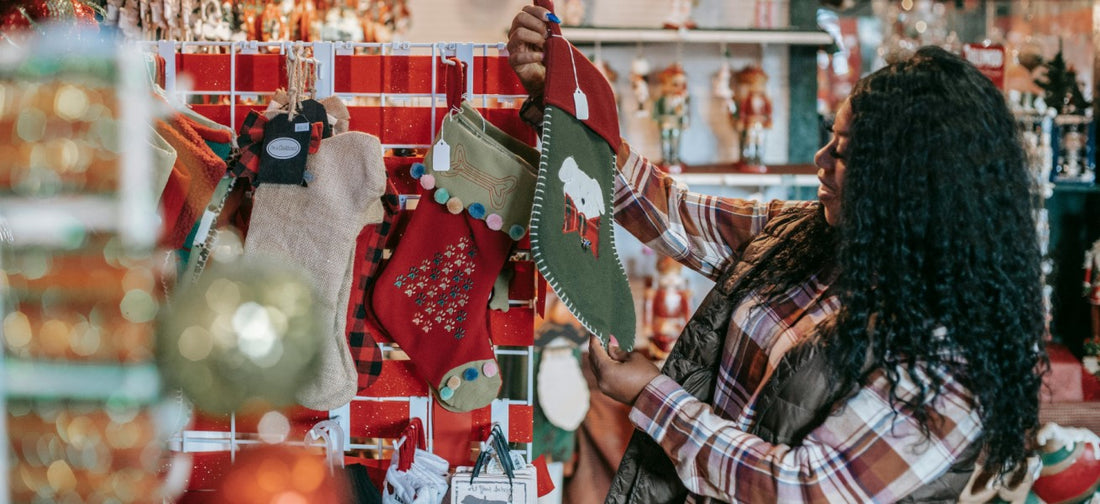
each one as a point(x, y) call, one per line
point(639, 70)
point(679, 15)
point(1061, 90)
point(754, 116)
point(315, 227)
point(571, 231)
point(1071, 471)
point(477, 184)
point(362, 327)
point(275, 474)
point(432, 299)
point(672, 112)
point(246, 331)
point(667, 308)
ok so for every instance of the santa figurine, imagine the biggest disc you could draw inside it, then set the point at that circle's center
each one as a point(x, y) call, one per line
point(679, 15)
point(671, 111)
point(754, 116)
point(667, 308)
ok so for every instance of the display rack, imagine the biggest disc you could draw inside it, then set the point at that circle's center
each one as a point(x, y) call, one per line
point(583, 35)
point(396, 92)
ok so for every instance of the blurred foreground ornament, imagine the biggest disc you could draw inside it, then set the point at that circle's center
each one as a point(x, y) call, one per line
point(280, 474)
point(246, 331)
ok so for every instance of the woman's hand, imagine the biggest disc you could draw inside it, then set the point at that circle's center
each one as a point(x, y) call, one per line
point(526, 42)
point(621, 375)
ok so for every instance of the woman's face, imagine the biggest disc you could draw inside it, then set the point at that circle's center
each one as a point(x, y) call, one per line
point(830, 161)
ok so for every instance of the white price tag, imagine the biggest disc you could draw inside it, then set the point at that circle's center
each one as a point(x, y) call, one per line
point(441, 155)
point(580, 103)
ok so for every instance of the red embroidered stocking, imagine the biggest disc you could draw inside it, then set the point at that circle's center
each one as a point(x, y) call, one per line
point(432, 299)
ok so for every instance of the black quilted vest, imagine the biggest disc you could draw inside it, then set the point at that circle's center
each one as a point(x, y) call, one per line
point(792, 403)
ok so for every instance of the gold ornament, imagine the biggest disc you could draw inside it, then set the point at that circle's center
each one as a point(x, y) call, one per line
point(245, 333)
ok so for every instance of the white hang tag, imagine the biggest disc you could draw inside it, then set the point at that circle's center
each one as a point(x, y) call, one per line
point(441, 155)
point(580, 103)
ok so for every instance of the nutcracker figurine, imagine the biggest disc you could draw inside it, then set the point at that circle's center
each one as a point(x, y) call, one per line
point(667, 308)
point(679, 15)
point(671, 111)
point(754, 116)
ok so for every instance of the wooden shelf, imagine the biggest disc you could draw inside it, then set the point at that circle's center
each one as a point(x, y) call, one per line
point(793, 36)
point(727, 175)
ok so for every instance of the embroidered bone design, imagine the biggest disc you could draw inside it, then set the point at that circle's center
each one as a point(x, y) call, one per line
point(498, 187)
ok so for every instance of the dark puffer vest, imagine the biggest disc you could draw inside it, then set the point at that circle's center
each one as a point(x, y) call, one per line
point(792, 403)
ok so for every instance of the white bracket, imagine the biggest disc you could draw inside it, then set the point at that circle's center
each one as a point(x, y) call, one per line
point(499, 414)
point(464, 52)
point(323, 53)
point(419, 407)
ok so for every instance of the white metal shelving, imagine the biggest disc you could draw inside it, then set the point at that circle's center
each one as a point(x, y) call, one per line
point(585, 35)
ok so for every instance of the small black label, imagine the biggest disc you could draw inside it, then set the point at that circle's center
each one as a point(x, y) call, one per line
point(283, 156)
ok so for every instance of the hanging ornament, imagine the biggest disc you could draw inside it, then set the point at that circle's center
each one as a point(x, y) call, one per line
point(572, 13)
point(672, 112)
point(721, 86)
point(273, 474)
point(679, 15)
point(562, 390)
point(754, 116)
point(245, 331)
point(639, 69)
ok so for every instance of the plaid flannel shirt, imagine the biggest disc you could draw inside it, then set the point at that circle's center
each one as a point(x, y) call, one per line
point(864, 452)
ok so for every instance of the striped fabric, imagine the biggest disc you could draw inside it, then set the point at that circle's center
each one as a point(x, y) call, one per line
point(865, 452)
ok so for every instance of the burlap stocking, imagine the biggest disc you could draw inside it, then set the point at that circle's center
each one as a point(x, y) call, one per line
point(315, 227)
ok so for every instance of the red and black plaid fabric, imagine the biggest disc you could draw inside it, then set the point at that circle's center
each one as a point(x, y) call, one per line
point(250, 139)
point(361, 326)
point(588, 230)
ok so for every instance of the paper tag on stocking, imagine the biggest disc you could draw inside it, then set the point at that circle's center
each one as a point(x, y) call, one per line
point(580, 102)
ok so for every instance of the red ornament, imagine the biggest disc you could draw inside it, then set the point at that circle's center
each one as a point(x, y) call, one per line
point(13, 20)
point(85, 15)
point(273, 473)
point(1071, 474)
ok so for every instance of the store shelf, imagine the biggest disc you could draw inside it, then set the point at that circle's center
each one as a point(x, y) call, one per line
point(134, 384)
point(1072, 187)
point(696, 36)
point(746, 179)
point(727, 175)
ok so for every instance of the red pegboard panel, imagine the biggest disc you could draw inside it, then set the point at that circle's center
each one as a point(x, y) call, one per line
point(396, 380)
point(207, 468)
point(301, 419)
point(385, 419)
point(220, 113)
point(454, 434)
point(520, 422)
point(371, 73)
point(514, 327)
point(493, 75)
point(256, 73)
point(523, 282)
point(392, 125)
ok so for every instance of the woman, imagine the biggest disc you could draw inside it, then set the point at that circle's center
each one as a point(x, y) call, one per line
point(875, 346)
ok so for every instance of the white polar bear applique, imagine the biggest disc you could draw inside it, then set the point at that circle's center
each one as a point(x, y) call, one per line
point(584, 205)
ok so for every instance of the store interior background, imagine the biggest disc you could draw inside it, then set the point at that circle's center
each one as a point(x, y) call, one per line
point(805, 88)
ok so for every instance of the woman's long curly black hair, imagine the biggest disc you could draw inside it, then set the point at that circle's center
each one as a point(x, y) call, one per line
point(937, 229)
